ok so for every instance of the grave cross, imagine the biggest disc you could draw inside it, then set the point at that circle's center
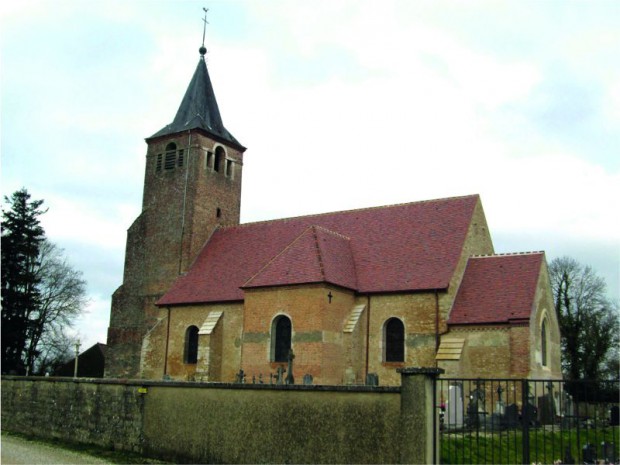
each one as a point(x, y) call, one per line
point(289, 377)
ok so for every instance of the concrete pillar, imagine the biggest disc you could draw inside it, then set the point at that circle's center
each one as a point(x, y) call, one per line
point(419, 422)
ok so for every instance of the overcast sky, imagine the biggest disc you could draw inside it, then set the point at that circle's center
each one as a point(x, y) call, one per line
point(341, 104)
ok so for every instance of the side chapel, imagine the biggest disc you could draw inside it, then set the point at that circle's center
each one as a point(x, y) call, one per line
point(351, 293)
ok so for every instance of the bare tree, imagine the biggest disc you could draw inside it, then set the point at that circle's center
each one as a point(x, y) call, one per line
point(62, 297)
point(588, 320)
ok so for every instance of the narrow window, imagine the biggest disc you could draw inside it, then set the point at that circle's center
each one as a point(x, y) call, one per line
point(394, 337)
point(229, 168)
point(158, 162)
point(171, 155)
point(209, 160)
point(217, 160)
point(180, 158)
point(543, 342)
point(218, 212)
point(281, 338)
point(191, 345)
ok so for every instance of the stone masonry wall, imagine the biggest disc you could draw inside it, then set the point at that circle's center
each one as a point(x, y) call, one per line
point(106, 414)
point(211, 423)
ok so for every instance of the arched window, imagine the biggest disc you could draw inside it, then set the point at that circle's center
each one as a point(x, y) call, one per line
point(171, 156)
point(191, 345)
point(394, 338)
point(543, 342)
point(218, 158)
point(281, 330)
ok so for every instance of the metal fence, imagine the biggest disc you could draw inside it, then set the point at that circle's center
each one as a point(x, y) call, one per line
point(527, 421)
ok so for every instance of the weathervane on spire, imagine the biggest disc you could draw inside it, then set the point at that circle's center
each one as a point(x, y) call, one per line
point(203, 49)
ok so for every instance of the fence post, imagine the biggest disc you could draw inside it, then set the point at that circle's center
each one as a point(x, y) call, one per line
point(525, 418)
point(418, 416)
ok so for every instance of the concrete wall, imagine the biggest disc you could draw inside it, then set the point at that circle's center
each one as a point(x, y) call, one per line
point(211, 423)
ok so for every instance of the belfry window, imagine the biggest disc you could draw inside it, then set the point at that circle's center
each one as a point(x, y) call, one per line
point(229, 168)
point(171, 156)
point(281, 330)
point(543, 342)
point(180, 158)
point(158, 162)
point(191, 345)
point(394, 340)
point(218, 158)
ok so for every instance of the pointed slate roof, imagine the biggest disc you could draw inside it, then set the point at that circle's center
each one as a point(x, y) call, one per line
point(497, 289)
point(406, 247)
point(199, 110)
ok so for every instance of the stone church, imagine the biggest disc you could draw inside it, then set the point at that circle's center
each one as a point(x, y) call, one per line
point(348, 293)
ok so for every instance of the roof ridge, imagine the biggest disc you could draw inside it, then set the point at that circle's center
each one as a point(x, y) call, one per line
point(509, 254)
point(377, 207)
point(329, 231)
point(319, 253)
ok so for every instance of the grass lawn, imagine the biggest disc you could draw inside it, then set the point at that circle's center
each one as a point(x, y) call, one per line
point(546, 445)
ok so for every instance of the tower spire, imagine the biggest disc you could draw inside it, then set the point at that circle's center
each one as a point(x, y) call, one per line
point(203, 49)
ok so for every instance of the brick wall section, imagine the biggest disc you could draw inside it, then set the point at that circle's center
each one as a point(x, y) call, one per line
point(210, 423)
point(317, 324)
point(223, 346)
point(417, 312)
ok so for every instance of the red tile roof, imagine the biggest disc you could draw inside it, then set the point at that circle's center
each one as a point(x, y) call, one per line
point(406, 247)
point(317, 255)
point(497, 289)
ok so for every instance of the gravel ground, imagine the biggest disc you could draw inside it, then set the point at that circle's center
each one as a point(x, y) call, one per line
point(19, 451)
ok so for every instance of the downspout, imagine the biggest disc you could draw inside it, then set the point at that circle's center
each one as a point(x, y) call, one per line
point(167, 339)
point(189, 146)
point(437, 341)
point(367, 333)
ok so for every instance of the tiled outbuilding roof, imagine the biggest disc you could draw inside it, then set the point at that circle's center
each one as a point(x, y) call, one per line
point(406, 247)
point(497, 289)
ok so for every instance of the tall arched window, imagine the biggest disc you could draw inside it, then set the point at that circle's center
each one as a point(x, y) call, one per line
point(394, 339)
point(191, 345)
point(281, 330)
point(543, 342)
point(220, 154)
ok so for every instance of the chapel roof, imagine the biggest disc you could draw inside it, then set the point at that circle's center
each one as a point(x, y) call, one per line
point(199, 109)
point(406, 247)
point(497, 289)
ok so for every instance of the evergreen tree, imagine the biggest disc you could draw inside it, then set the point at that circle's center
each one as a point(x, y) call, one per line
point(22, 235)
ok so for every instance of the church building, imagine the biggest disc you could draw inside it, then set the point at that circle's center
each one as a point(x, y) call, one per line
point(348, 294)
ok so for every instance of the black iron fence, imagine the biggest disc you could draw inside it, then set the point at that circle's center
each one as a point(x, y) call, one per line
point(528, 421)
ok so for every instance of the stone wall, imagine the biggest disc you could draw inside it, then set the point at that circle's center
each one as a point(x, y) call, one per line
point(211, 423)
point(107, 414)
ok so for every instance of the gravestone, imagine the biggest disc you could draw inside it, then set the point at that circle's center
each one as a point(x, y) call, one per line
point(349, 376)
point(608, 452)
point(568, 457)
point(511, 417)
point(308, 379)
point(589, 453)
point(454, 407)
point(546, 409)
point(372, 379)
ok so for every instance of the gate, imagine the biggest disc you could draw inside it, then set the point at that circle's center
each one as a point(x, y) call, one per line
point(527, 421)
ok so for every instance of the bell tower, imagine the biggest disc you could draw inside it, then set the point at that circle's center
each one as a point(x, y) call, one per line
point(192, 185)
